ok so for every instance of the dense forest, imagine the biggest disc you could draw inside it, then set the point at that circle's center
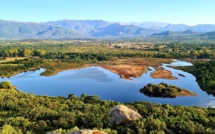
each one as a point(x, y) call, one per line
point(105, 49)
point(205, 74)
point(27, 113)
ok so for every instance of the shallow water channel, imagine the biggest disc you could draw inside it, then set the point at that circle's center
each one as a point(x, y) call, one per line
point(109, 86)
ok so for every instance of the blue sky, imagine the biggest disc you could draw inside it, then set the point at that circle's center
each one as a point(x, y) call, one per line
point(174, 11)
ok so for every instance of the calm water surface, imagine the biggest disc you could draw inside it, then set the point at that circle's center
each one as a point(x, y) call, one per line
point(109, 86)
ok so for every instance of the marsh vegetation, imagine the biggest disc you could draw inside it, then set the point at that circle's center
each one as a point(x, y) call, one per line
point(27, 113)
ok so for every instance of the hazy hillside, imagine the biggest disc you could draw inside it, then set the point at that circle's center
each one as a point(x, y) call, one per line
point(118, 30)
point(162, 26)
point(203, 28)
point(28, 30)
point(73, 29)
point(209, 35)
point(176, 34)
point(175, 27)
point(82, 26)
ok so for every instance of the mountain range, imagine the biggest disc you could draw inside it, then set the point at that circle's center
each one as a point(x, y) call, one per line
point(82, 29)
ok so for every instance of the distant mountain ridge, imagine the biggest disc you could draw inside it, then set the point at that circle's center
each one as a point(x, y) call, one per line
point(30, 30)
point(78, 29)
point(175, 27)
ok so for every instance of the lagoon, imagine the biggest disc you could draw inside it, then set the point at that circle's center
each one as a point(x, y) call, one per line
point(109, 86)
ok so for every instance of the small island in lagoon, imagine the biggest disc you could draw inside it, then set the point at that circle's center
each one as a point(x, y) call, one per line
point(164, 90)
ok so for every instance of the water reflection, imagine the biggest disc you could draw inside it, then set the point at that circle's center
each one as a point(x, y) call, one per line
point(90, 73)
point(108, 85)
point(179, 63)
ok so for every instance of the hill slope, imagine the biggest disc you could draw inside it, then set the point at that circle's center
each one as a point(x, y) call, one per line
point(28, 30)
point(73, 29)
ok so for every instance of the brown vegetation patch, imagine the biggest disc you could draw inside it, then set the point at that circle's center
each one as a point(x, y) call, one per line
point(154, 62)
point(187, 93)
point(97, 133)
point(132, 67)
point(126, 71)
point(165, 74)
point(54, 67)
point(11, 59)
point(125, 68)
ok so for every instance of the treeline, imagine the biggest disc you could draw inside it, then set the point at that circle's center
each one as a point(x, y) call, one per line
point(87, 55)
point(205, 74)
point(106, 55)
point(14, 52)
point(13, 67)
point(78, 57)
point(64, 49)
point(27, 113)
point(188, 50)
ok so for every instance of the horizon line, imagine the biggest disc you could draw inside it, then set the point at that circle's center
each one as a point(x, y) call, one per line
point(108, 21)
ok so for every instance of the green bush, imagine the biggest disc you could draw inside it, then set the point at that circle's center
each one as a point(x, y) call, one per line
point(6, 85)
